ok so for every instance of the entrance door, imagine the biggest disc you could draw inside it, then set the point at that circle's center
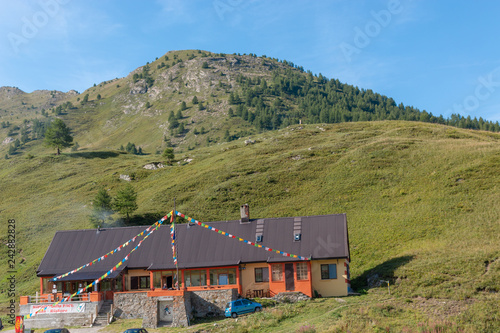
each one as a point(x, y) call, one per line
point(169, 282)
point(289, 277)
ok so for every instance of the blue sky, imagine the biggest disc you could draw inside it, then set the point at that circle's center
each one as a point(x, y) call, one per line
point(439, 56)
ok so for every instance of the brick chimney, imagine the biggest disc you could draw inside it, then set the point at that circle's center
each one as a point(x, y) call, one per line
point(245, 213)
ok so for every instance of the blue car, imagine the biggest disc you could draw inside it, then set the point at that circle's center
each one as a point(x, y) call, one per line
point(241, 306)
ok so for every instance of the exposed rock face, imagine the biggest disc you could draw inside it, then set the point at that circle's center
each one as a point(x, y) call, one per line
point(125, 177)
point(140, 87)
point(373, 281)
point(154, 166)
point(9, 92)
point(7, 140)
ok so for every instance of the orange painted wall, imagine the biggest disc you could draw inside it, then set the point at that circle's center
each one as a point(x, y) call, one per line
point(303, 286)
point(276, 286)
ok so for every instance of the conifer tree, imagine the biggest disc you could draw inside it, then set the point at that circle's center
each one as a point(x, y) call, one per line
point(58, 135)
point(125, 201)
point(169, 156)
point(101, 208)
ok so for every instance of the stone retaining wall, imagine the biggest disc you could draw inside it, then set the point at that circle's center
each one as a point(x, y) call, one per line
point(139, 305)
point(192, 303)
point(182, 311)
point(212, 302)
point(131, 305)
point(53, 320)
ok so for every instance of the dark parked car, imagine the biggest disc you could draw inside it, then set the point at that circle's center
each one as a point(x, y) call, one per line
point(136, 330)
point(241, 306)
point(57, 330)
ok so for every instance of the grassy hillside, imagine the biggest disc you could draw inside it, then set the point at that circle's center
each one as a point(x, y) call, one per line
point(421, 201)
point(421, 197)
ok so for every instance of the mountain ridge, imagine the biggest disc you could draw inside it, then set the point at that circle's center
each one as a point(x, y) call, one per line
point(242, 94)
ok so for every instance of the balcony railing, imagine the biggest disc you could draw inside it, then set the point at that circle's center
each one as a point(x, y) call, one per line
point(49, 298)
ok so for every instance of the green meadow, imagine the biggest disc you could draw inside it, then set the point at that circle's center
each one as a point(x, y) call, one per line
point(422, 203)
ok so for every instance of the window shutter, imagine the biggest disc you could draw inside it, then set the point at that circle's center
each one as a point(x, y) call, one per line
point(333, 271)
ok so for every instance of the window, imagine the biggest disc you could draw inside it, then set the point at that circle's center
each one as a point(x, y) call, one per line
point(302, 271)
point(144, 282)
point(157, 279)
point(222, 277)
point(46, 286)
point(49, 286)
point(277, 271)
point(69, 287)
point(106, 285)
point(162, 278)
point(328, 271)
point(118, 283)
point(195, 278)
point(261, 274)
point(139, 282)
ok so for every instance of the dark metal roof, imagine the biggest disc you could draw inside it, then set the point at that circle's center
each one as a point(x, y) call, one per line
point(322, 237)
point(89, 275)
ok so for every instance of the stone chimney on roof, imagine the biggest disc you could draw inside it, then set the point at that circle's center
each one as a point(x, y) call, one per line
point(245, 213)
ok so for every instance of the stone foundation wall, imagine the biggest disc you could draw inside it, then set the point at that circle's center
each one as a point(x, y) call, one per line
point(131, 305)
point(211, 303)
point(182, 310)
point(191, 304)
point(150, 313)
point(139, 305)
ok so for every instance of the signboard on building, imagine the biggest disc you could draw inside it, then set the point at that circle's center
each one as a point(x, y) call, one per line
point(60, 308)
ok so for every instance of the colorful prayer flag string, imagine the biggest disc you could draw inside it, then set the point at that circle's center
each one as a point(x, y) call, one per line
point(204, 225)
point(108, 272)
point(172, 235)
point(154, 225)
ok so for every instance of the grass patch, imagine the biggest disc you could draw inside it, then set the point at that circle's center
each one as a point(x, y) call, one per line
point(422, 212)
